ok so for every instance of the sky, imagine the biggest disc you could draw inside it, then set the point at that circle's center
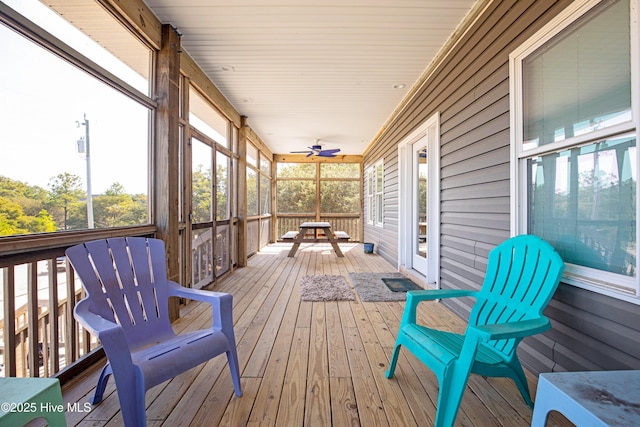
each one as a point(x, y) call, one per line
point(43, 102)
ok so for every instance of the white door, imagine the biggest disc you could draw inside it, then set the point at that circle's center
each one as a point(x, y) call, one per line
point(419, 204)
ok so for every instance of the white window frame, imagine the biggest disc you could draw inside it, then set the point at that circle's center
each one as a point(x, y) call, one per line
point(373, 206)
point(368, 182)
point(378, 220)
point(611, 284)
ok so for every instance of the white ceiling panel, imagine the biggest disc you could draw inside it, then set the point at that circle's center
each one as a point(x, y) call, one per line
point(303, 70)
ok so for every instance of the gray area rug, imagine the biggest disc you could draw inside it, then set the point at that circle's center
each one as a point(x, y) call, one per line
point(325, 288)
point(371, 288)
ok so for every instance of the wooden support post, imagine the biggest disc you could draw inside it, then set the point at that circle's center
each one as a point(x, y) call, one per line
point(242, 194)
point(167, 142)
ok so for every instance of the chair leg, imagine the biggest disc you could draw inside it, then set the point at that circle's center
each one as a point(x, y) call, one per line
point(394, 360)
point(132, 401)
point(102, 384)
point(521, 381)
point(452, 386)
point(448, 406)
point(232, 357)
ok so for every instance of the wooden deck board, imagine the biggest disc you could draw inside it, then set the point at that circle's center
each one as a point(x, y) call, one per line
point(307, 363)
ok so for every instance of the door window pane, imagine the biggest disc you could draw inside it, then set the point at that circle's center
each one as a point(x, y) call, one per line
point(421, 201)
point(201, 178)
point(265, 195)
point(222, 186)
point(252, 192)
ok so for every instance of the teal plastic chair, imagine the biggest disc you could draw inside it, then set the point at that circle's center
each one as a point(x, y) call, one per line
point(127, 308)
point(522, 275)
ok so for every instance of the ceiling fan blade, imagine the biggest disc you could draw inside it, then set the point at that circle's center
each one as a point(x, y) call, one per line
point(318, 151)
point(328, 153)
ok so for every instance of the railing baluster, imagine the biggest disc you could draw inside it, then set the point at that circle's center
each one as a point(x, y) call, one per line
point(21, 351)
point(9, 327)
point(70, 344)
point(86, 342)
point(54, 312)
point(32, 319)
point(42, 325)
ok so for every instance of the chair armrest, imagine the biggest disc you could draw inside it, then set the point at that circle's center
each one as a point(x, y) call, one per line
point(416, 297)
point(520, 329)
point(110, 334)
point(221, 303)
point(94, 323)
point(434, 294)
point(177, 290)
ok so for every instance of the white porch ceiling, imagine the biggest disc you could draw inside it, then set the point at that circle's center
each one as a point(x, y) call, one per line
point(306, 70)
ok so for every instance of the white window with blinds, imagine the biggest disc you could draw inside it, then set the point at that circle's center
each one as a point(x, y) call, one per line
point(574, 124)
point(374, 180)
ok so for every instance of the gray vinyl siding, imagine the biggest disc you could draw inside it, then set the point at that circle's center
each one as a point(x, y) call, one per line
point(385, 238)
point(470, 90)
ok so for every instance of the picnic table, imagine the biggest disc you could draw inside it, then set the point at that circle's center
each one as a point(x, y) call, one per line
point(320, 232)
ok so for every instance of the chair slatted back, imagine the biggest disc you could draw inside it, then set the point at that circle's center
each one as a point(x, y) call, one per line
point(522, 275)
point(125, 280)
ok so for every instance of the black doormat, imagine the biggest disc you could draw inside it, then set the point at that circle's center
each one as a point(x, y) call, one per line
point(400, 285)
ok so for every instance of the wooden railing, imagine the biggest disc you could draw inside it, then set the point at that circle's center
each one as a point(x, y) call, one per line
point(38, 290)
point(46, 337)
point(351, 224)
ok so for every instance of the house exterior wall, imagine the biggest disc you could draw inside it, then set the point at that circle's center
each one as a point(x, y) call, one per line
point(470, 90)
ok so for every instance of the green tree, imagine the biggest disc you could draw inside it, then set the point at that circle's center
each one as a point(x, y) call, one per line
point(117, 208)
point(222, 192)
point(23, 209)
point(116, 189)
point(201, 195)
point(14, 221)
point(252, 192)
point(65, 191)
point(339, 188)
point(339, 196)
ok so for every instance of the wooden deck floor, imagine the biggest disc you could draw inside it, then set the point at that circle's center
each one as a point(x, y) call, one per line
point(306, 363)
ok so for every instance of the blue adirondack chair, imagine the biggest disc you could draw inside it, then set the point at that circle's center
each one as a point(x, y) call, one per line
point(127, 309)
point(522, 275)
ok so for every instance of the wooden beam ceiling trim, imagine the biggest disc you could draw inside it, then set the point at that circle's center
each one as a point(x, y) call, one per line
point(258, 143)
point(199, 79)
point(140, 17)
point(302, 158)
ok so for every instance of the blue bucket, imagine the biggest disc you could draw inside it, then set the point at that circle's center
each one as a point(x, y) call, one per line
point(368, 248)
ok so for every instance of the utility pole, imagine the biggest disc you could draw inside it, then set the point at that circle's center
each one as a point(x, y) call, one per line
point(87, 153)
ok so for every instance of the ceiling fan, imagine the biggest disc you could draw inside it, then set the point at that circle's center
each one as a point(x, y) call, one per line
point(317, 150)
